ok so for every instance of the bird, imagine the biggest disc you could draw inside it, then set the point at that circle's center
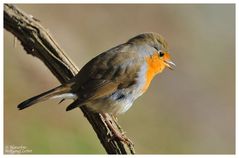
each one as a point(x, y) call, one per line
point(114, 79)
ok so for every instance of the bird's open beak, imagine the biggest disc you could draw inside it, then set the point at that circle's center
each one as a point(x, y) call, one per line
point(169, 64)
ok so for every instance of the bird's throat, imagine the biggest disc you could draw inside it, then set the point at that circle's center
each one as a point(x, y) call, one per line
point(154, 66)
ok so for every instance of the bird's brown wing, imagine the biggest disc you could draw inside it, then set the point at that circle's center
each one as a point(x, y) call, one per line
point(106, 73)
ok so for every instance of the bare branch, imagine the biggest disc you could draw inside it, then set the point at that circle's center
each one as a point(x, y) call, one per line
point(37, 41)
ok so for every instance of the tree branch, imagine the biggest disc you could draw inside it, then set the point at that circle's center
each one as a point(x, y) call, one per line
point(37, 41)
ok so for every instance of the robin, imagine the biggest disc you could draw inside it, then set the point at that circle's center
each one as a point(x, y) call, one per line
point(113, 80)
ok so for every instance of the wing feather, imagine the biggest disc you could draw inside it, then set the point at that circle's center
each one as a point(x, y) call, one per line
point(105, 74)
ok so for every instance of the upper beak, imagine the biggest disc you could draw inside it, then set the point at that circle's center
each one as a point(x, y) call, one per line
point(169, 64)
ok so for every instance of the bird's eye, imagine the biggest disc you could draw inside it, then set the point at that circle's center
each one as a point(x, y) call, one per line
point(161, 54)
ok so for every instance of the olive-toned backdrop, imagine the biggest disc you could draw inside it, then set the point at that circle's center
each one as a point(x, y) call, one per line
point(190, 110)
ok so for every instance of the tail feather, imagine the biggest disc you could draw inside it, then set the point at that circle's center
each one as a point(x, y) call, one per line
point(53, 93)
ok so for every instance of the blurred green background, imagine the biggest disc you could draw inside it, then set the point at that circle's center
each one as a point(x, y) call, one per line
point(190, 110)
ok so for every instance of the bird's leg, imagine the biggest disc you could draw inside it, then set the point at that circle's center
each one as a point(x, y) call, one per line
point(116, 123)
point(115, 132)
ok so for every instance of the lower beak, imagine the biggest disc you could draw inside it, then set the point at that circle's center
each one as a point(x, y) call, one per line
point(169, 64)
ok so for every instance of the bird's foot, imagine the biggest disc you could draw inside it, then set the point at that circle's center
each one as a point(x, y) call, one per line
point(119, 135)
point(122, 137)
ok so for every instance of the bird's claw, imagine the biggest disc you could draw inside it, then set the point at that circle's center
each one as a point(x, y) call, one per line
point(122, 137)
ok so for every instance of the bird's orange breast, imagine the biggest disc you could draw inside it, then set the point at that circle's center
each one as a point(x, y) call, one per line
point(154, 66)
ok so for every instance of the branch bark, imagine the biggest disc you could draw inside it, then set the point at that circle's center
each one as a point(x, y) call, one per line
point(37, 41)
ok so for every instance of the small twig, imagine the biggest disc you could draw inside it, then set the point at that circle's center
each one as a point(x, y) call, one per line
point(37, 41)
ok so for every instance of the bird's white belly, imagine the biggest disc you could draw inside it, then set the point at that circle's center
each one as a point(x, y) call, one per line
point(113, 104)
point(111, 107)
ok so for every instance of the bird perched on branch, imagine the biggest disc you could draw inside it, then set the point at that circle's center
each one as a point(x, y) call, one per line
point(113, 80)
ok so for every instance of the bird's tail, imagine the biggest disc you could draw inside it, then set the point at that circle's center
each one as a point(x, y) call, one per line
point(62, 91)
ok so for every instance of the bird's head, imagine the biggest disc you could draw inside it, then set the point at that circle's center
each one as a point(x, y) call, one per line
point(158, 46)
